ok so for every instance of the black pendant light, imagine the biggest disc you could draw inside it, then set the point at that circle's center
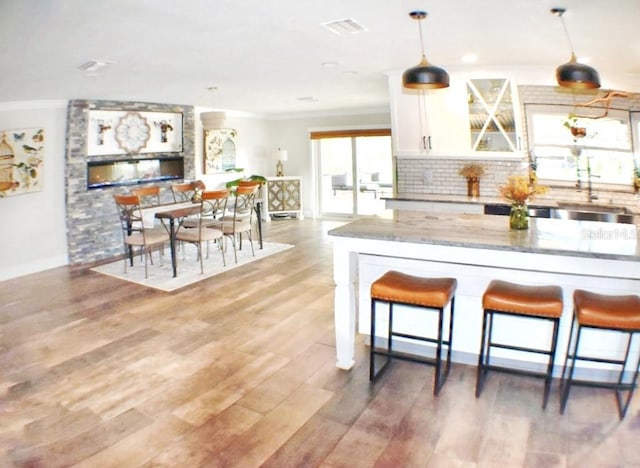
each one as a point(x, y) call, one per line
point(424, 75)
point(573, 74)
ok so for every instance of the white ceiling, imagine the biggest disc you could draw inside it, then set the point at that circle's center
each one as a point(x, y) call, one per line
point(265, 55)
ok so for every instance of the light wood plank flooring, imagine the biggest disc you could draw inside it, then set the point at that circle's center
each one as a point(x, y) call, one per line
point(238, 370)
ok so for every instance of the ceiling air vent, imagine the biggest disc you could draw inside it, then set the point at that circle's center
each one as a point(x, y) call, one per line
point(94, 65)
point(344, 26)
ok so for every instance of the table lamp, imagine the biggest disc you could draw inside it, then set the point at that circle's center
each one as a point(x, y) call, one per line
point(280, 155)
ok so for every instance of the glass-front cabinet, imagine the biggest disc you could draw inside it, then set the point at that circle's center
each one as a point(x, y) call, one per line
point(493, 123)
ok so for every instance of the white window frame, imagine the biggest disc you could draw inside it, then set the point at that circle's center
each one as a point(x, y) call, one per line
point(563, 158)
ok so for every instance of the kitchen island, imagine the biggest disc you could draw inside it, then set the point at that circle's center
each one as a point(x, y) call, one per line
point(601, 257)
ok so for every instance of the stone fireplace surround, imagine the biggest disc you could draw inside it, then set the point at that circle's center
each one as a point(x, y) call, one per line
point(93, 230)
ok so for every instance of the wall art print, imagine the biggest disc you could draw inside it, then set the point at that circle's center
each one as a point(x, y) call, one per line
point(21, 161)
point(133, 132)
point(219, 150)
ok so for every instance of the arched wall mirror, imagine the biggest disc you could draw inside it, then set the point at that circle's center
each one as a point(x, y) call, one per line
point(219, 150)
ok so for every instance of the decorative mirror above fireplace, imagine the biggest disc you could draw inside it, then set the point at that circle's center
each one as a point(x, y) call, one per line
point(133, 132)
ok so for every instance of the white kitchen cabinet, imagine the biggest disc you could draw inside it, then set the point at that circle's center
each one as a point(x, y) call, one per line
point(430, 122)
point(409, 126)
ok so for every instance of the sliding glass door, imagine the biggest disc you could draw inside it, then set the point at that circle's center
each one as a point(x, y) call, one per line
point(354, 172)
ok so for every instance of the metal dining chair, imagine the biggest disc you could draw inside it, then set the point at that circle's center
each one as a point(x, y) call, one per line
point(239, 220)
point(149, 196)
point(212, 204)
point(134, 232)
point(183, 192)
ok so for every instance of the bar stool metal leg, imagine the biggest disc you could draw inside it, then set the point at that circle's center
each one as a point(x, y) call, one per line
point(552, 358)
point(622, 408)
point(620, 386)
point(564, 385)
point(481, 372)
point(372, 372)
point(441, 377)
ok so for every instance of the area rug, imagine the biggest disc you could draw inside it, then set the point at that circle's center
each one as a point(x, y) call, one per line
point(161, 275)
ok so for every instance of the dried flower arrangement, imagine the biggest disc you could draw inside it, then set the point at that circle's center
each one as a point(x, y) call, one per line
point(519, 189)
point(472, 171)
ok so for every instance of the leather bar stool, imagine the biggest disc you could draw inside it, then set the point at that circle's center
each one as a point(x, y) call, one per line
point(603, 312)
point(395, 288)
point(531, 302)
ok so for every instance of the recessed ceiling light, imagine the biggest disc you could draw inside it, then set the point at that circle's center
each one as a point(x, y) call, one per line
point(344, 26)
point(307, 99)
point(329, 64)
point(469, 58)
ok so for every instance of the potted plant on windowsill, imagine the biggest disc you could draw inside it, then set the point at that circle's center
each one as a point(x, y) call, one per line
point(572, 124)
point(636, 179)
point(473, 173)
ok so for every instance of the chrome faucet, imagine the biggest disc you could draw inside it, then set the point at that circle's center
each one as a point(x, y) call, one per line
point(590, 195)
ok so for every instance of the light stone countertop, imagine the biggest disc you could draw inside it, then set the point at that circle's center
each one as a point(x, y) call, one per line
point(546, 236)
point(483, 200)
point(430, 197)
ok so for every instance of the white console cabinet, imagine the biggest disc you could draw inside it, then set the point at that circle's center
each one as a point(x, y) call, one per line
point(283, 196)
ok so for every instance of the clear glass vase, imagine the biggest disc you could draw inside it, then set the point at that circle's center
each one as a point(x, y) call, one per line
point(519, 216)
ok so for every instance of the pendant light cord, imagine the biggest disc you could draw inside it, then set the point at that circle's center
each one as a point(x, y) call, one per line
point(559, 12)
point(566, 32)
point(421, 38)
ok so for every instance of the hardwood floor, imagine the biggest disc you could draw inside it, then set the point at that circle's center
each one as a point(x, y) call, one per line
point(239, 370)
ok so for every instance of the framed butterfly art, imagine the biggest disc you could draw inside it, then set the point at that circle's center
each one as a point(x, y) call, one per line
point(21, 161)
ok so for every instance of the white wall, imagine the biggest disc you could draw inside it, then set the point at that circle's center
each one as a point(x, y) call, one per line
point(33, 236)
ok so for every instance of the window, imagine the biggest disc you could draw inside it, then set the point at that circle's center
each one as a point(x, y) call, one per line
point(603, 154)
point(635, 130)
point(354, 170)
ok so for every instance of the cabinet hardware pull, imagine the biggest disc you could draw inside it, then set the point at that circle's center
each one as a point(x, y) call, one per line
point(429, 140)
point(424, 142)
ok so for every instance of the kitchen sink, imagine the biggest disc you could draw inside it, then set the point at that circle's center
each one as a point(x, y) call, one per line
point(593, 215)
point(574, 211)
point(592, 207)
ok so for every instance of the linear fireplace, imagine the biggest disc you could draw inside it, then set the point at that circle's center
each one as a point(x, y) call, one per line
point(133, 171)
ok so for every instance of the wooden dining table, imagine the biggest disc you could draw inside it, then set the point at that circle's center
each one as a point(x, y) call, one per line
point(172, 213)
point(177, 212)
